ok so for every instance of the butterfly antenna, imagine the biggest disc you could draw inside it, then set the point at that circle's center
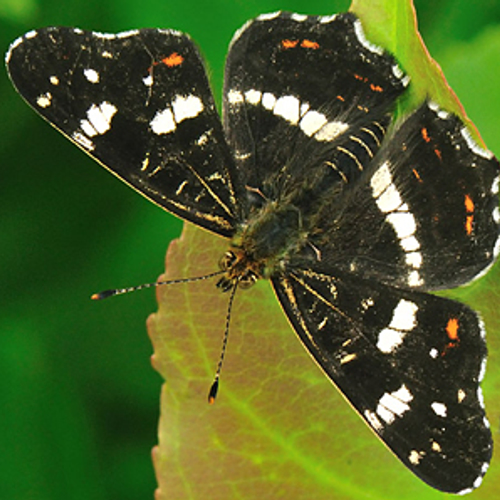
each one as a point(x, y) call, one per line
point(120, 291)
point(212, 394)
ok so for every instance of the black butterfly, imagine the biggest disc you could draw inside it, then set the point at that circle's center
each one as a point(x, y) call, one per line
point(353, 228)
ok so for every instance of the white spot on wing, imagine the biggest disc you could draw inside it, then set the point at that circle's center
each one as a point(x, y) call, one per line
point(480, 397)
point(389, 339)
point(414, 259)
point(327, 19)
point(410, 244)
point(163, 122)
point(239, 32)
point(482, 370)
point(415, 456)
point(394, 404)
point(441, 113)
point(414, 279)
point(54, 80)
point(439, 409)
point(288, 108)
point(367, 303)
point(253, 96)
point(404, 315)
point(298, 17)
point(494, 185)
point(235, 97)
point(311, 122)
point(91, 75)
point(435, 446)
point(44, 100)
point(268, 100)
point(331, 131)
point(460, 395)
point(127, 34)
point(496, 215)
point(148, 80)
point(304, 108)
point(12, 47)
point(403, 223)
point(83, 141)
point(99, 119)
point(373, 420)
point(403, 320)
point(269, 16)
point(474, 146)
point(186, 107)
point(381, 179)
point(389, 200)
point(358, 29)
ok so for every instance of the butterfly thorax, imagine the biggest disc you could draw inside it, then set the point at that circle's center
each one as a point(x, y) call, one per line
point(263, 245)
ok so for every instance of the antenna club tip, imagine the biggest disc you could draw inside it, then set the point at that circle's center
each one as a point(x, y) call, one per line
point(212, 394)
point(103, 295)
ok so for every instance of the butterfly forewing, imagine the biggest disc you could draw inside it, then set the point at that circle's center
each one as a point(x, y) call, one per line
point(313, 85)
point(139, 102)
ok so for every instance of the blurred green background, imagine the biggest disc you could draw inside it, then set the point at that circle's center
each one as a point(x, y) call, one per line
point(78, 397)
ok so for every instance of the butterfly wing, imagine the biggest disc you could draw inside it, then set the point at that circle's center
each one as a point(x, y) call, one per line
point(410, 364)
point(138, 102)
point(304, 90)
point(426, 214)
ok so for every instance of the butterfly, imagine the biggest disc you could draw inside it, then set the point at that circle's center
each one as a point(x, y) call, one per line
point(354, 218)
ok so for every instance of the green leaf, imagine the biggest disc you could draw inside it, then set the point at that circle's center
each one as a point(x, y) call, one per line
point(392, 24)
point(278, 429)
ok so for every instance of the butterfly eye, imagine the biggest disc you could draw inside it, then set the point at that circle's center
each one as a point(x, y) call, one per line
point(227, 261)
point(248, 279)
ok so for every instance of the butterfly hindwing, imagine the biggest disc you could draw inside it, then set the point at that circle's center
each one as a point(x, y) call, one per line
point(138, 102)
point(410, 363)
point(425, 215)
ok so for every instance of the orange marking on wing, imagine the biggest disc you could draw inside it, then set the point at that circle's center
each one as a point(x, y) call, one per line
point(469, 207)
point(452, 329)
point(469, 204)
point(425, 135)
point(174, 59)
point(417, 175)
point(376, 88)
point(340, 98)
point(309, 44)
point(437, 152)
point(289, 44)
point(468, 224)
point(359, 77)
point(452, 332)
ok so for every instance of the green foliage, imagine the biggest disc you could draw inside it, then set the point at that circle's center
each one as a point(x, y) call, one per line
point(79, 398)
